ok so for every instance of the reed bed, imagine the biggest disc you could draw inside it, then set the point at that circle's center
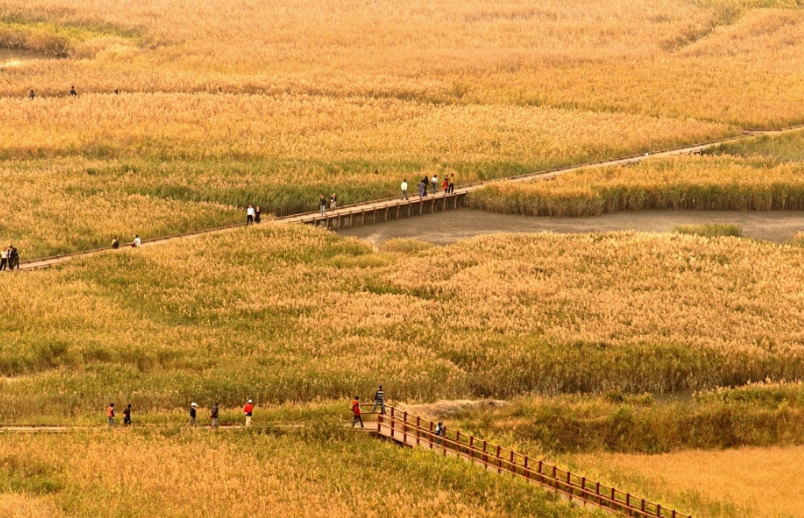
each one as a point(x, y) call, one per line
point(732, 61)
point(82, 171)
point(712, 484)
point(295, 314)
point(324, 471)
point(680, 183)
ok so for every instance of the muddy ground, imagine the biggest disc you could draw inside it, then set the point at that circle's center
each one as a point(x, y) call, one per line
point(448, 227)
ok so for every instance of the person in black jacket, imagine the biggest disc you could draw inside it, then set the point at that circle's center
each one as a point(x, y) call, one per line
point(192, 415)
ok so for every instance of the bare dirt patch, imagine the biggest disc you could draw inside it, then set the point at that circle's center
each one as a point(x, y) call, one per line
point(448, 227)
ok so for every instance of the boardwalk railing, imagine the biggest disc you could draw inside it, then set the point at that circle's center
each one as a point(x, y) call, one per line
point(415, 431)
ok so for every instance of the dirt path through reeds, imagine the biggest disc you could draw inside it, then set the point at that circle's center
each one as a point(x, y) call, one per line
point(443, 228)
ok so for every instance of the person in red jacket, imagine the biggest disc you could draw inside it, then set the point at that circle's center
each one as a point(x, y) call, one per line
point(248, 410)
point(356, 412)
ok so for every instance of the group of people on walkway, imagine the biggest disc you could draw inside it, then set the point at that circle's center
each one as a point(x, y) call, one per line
point(248, 412)
point(379, 402)
point(134, 244)
point(71, 93)
point(9, 258)
point(322, 203)
point(253, 215)
point(447, 185)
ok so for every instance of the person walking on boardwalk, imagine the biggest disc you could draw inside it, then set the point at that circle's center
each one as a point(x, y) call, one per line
point(110, 415)
point(434, 183)
point(425, 182)
point(213, 415)
point(13, 258)
point(445, 183)
point(257, 215)
point(333, 201)
point(404, 189)
point(73, 93)
point(31, 95)
point(322, 204)
point(451, 183)
point(356, 412)
point(127, 415)
point(192, 415)
point(115, 243)
point(3, 259)
point(249, 215)
point(440, 431)
point(248, 410)
point(137, 241)
point(379, 401)
point(422, 189)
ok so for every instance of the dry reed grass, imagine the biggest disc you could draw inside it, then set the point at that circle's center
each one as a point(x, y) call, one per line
point(679, 183)
point(324, 316)
point(714, 484)
point(730, 61)
point(195, 473)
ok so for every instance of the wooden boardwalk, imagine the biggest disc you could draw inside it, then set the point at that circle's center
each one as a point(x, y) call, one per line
point(379, 211)
point(416, 432)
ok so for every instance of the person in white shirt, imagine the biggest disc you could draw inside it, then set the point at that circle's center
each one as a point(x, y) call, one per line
point(249, 215)
point(137, 241)
point(3, 258)
point(405, 189)
point(434, 183)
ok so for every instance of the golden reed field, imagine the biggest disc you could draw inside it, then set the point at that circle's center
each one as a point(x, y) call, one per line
point(186, 112)
point(222, 104)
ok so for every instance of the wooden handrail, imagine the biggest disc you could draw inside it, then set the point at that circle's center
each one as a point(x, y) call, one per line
point(414, 430)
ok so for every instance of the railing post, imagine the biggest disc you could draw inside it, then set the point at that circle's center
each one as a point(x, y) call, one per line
point(597, 492)
point(499, 460)
point(393, 422)
point(642, 508)
point(405, 428)
point(485, 455)
point(583, 489)
point(418, 427)
point(430, 437)
point(512, 466)
point(527, 470)
point(555, 478)
point(472, 447)
point(658, 510)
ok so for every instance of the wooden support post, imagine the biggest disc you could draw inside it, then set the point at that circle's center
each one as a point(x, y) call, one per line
point(527, 469)
point(421, 206)
point(512, 466)
point(458, 441)
point(397, 212)
point(499, 460)
point(393, 422)
point(485, 455)
point(418, 427)
point(597, 492)
point(386, 214)
point(430, 437)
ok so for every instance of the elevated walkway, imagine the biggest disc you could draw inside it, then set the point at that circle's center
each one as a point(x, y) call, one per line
point(417, 432)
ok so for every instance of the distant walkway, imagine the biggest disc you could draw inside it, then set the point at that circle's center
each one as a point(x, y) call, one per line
point(444, 228)
point(381, 210)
